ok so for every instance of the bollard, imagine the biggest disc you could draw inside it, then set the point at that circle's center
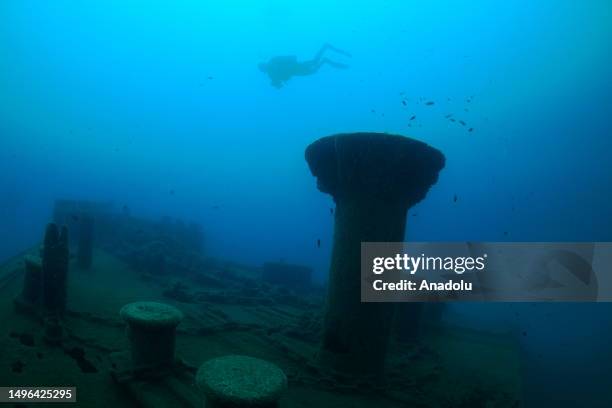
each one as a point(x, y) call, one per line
point(240, 382)
point(151, 329)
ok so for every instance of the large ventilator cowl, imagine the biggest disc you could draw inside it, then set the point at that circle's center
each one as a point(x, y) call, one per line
point(151, 328)
point(374, 179)
point(240, 382)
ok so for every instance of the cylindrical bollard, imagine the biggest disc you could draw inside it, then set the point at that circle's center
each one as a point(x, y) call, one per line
point(151, 329)
point(55, 269)
point(374, 179)
point(240, 382)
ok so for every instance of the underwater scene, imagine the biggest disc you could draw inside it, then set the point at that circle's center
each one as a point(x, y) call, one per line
point(185, 188)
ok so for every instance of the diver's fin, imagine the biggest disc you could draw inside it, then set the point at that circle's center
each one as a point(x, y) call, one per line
point(338, 50)
point(335, 64)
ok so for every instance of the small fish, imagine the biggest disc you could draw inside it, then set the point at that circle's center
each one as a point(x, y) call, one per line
point(404, 103)
point(413, 117)
point(372, 111)
point(448, 116)
point(331, 210)
point(210, 77)
point(171, 192)
point(415, 214)
point(318, 243)
point(429, 103)
point(452, 120)
point(462, 123)
point(455, 198)
point(505, 233)
point(470, 129)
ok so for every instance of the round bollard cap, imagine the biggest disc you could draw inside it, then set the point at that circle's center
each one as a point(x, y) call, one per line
point(374, 165)
point(151, 315)
point(241, 381)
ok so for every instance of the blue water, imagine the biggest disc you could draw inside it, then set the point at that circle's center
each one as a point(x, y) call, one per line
point(160, 106)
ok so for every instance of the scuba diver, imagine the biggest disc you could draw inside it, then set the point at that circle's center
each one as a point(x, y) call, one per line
point(283, 68)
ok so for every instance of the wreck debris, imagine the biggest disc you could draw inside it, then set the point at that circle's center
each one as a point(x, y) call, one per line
point(283, 274)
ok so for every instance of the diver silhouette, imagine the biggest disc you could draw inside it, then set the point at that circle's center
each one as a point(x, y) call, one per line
point(282, 68)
